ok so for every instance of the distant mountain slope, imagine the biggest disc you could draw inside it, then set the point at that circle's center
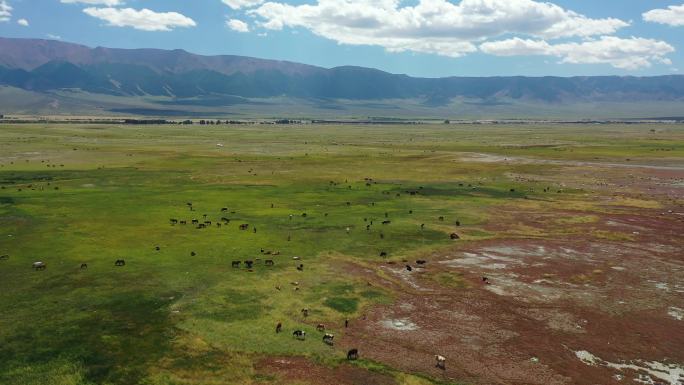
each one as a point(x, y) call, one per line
point(45, 66)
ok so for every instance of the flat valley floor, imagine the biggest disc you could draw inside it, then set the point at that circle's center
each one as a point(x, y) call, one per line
point(550, 254)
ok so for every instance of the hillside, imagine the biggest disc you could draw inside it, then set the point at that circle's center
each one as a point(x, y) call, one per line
point(194, 83)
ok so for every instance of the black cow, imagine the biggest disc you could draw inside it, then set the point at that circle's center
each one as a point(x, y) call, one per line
point(383, 253)
point(421, 261)
point(353, 354)
point(235, 264)
point(249, 264)
point(4, 257)
point(84, 266)
point(409, 268)
point(299, 334)
point(120, 262)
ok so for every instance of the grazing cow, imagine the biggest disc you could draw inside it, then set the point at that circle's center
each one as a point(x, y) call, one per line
point(183, 222)
point(320, 327)
point(409, 268)
point(235, 264)
point(421, 261)
point(441, 218)
point(84, 266)
point(244, 226)
point(218, 224)
point(441, 362)
point(4, 257)
point(269, 262)
point(201, 226)
point(353, 354)
point(192, 253)
point(120, 262)
point(249, 264)
point(300, 267)
point(386, 222)
point(195, 221)
point(454, 236)
point(157, 248)
point(225, 209)
point(383, 253)
point(305, 312)
point(39, 265)
point(174, 221)
point(299, 334)
point(279, 327)
point(226, 220)
point(328, 339)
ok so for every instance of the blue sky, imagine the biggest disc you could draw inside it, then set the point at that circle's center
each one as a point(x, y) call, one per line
point(418, 37)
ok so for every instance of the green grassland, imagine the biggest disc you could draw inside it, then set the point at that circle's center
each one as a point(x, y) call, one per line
point(94, 194)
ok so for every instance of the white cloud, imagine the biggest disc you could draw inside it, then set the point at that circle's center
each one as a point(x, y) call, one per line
point(5, 11)
point(53, 37)
point(144, 19)
point(237, 4)
point(23, 22)
point(673, 15)
point(629, 54)
point(237, 25)
point(431, 26)
point(109, 3)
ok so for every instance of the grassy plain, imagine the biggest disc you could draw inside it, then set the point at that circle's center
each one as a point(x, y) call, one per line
point(74, 194)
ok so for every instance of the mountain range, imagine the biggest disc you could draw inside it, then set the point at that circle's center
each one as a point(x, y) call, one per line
point(54, 73)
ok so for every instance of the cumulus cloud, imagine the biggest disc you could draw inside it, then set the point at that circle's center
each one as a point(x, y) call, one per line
point(431, 26)
point(237, 4)
point(629, 54)
point(237, 25)
point(145, 19)
point(108, 3)
point(673, 15)
point(23, 22)
point(5, 11)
